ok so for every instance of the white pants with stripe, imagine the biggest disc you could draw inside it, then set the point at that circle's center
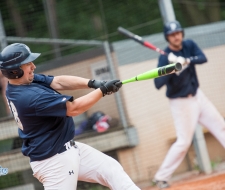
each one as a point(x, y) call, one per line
point(187, 112)
point(83, 163)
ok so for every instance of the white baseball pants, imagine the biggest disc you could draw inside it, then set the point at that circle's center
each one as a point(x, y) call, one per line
point(83, 163)
point(187, 112)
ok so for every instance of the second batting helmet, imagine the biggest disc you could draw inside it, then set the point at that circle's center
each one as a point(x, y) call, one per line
point(172, 27)
point(12, 57)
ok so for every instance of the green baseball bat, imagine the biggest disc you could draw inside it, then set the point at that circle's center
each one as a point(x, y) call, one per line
point(155, 73)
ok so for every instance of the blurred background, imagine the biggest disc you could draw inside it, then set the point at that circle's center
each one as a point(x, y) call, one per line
point(134, 126)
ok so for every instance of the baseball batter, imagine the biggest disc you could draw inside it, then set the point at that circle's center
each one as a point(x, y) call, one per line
point(188, 103)
point(45, 124)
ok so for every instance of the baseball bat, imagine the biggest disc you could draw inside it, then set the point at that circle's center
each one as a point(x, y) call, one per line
point(155, 73)
point(140, 40)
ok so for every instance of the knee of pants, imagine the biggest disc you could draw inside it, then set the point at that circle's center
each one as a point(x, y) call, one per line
point(111, 170)
point(114, 166)
point(183, 145)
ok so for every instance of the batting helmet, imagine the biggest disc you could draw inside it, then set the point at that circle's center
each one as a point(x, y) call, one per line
point(172, 27)
point(12, 57)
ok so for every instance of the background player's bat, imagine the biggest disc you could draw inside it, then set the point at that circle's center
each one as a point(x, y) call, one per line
point(154, 73)
point(140, 40)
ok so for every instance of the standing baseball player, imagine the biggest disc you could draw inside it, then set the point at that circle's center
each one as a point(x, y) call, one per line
point(47, 129)
point(188, 103)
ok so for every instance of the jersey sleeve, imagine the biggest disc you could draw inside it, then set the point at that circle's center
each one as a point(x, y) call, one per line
point(198, 57)
point(49, 104)
point(159, 82)
point(43, 79)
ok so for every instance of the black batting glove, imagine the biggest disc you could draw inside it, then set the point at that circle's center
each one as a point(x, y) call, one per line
point(110, 87)
point(119, 84)
point(95, 83)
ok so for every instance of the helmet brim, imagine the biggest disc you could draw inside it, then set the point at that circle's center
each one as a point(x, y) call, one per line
point(30, 58)
point(174, 31)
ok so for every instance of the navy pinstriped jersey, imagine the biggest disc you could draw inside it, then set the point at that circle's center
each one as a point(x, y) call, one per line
point(187, 82)
point(40, 113)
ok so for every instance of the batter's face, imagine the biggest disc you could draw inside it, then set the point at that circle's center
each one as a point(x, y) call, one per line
point(28, 70)
point(175, 39)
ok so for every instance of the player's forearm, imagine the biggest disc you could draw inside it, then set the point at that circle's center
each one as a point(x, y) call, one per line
point(198, 59)
point(82, 104)
point(159, 82)
point(65, 82)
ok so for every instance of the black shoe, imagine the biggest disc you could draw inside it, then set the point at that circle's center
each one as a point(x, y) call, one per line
point(160, 184)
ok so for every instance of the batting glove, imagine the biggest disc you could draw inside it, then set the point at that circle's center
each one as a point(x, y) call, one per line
point(95, 83)
point(172, 58)
point(110, 87)
point(181, 60)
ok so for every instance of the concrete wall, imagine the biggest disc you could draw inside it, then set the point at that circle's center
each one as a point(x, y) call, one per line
point(149, 112)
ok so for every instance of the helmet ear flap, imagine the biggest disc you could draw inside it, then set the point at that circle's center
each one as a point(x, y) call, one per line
point(13, 74)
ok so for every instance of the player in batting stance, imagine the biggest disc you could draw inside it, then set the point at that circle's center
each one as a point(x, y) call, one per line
point(188, 103)
point(46, 126)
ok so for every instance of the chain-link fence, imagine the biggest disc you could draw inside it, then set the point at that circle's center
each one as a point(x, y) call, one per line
point(138, 129)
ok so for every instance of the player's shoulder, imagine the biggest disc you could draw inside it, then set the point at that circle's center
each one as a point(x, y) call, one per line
point(162, 60)
point(40, 78)
point(189, 42)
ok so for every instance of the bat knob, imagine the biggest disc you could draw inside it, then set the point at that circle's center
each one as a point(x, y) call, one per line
point(178, 66)
point(118, 84)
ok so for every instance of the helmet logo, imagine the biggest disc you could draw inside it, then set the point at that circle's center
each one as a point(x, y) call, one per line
point(17, 54)
point(173, 26)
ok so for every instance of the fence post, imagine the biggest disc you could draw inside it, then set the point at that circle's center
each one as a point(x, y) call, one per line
point(50, 15)
point(201, 151)
point(120, 106)
point(166, 9)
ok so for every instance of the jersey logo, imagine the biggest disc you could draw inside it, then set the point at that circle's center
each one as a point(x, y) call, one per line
point(71, 172)
point(63, 99)
point(67, 145)
point(15, 114)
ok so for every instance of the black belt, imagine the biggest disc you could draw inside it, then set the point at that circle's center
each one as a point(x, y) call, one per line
point(67, 146)
point(70, 144)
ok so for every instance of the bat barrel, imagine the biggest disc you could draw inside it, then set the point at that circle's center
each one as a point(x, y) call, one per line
point(154, 73)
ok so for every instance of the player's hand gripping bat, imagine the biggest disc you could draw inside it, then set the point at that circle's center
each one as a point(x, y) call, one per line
point(154, 73)
point(140, 40)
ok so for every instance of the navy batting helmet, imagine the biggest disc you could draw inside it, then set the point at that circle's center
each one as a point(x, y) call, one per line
point(12, 57)
point(172, 27)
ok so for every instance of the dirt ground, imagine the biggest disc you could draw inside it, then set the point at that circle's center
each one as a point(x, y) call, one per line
point(201, 182)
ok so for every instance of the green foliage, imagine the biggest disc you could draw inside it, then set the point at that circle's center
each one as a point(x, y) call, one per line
point(6, 145)
point(215, 162)
point(197, 12)
point(93, 19)
point(99, 19)
point(11, 180)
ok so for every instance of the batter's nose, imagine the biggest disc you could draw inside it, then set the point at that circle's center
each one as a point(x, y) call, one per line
point(33, 65)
